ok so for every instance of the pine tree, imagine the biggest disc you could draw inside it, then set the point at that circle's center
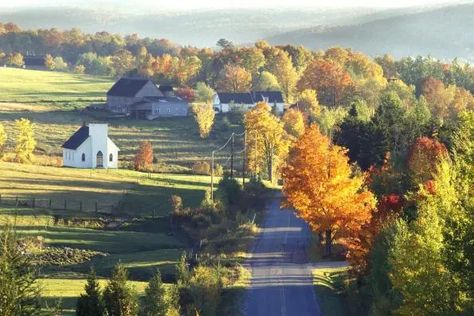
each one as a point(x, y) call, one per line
point(19, 293)
point(91, 303)
point(120, 299)
point(154, 302)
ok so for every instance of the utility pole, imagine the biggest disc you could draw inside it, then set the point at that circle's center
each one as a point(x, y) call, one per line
point(244, 159)
point(255, 150)
point(232, 156)
point(212, 177)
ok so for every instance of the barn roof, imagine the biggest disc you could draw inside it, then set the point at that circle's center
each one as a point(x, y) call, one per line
point(235, 97)
point(77, 138)
point(127, 87)
point(269, 96)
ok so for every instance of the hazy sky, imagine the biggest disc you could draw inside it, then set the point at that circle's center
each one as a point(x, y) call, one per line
point(204, 4)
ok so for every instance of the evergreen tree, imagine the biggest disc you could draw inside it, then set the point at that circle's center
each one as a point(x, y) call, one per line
point(19, 293)
point(154, 302)
point(91, 303)
point(120, 299)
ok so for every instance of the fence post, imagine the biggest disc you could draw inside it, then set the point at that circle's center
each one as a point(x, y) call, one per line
point(80, 206)
point(96, 207)
point(65, 205)
point(50, 204)
point(33, 203)
point(16, 201)
point(0, 198)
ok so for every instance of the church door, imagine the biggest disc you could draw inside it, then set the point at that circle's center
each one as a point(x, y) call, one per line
point(100, 160)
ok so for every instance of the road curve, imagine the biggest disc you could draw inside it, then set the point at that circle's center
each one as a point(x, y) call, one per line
point(281, 281)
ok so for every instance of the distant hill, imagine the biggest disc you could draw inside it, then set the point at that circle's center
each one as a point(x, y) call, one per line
point(199, 28)
point(446, 32)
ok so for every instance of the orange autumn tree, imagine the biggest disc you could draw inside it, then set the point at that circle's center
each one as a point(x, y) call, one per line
point(144, 157)
point(320, 185)
point(425, 154)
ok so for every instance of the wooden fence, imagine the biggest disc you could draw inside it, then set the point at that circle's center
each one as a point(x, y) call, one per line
point(57, 204)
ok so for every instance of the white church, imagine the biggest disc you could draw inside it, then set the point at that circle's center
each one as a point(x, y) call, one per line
point(90, 147)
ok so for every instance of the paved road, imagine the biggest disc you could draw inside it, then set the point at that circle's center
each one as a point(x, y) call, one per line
point(281, 282)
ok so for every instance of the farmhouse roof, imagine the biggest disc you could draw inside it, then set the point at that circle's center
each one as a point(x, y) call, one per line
point(235, 97)
point(77, 138)
point(268, 96)
point(127, 87)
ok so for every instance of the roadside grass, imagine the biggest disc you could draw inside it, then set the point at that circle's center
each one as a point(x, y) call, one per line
point(33, 86)
point(330, 287)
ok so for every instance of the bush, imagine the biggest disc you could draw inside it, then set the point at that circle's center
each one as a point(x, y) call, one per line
point(176, 204)
point(229, 193)
point(205, 288)
point(202, 168)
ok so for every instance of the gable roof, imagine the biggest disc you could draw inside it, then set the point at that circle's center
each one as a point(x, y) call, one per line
point(235, 97)
point(127, 87)
point(271, 96)
point(77, 138)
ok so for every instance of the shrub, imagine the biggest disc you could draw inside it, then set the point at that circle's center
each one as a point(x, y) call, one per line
point(205, 288)
point(201, 167)
point(176, 204)
point(229, 193)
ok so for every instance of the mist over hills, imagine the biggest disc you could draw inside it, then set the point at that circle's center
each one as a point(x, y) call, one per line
point(444, 32)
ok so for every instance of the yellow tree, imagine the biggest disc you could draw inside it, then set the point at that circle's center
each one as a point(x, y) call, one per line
point(25, 140)
point(235, 79)
point(308, 103)
point(320, 185)
point(281, 66)
point(267, 141)
point(293, 121)
point(204, 116)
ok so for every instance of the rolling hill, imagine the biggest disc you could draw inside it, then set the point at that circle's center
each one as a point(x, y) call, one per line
point(446, 33)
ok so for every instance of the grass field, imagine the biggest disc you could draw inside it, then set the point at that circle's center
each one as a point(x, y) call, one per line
point(119, 191)
point(54, 102)
point(32, 86)
point(68, 290)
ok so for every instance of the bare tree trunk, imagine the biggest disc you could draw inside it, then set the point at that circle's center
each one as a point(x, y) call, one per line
point(328, 246)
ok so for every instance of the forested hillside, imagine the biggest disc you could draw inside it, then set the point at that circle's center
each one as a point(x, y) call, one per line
point(444, 33)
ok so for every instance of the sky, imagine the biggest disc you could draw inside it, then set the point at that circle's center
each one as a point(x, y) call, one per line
point(219, 4)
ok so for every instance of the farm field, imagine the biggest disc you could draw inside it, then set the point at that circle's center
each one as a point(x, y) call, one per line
point(32, 86)
point(57, 110)
point(121, 192)
point(142, 244)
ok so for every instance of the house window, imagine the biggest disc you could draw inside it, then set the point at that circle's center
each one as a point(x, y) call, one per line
point(111, 157)
point(100, 160)
point(83, 157)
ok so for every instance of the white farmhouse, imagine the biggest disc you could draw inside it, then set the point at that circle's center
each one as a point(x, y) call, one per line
point(244, 101)
point(90, 147)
